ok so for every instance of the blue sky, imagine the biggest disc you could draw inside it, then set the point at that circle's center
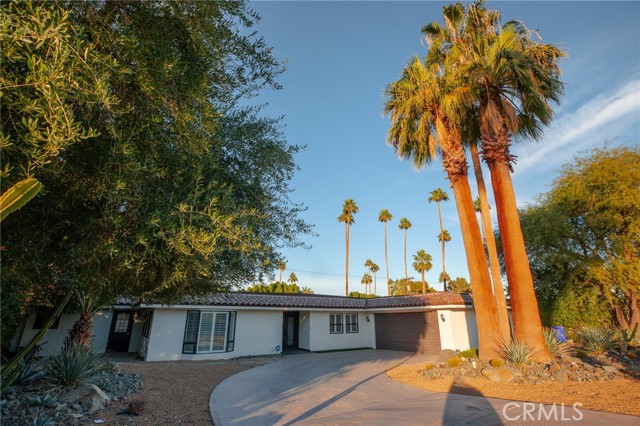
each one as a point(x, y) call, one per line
point(341, 55)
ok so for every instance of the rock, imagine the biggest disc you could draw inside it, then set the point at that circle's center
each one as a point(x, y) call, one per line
point(610, 369)
point(89, 396)
point(560, 376)
point(554, 368)
point(498, 374)
point(631, 355)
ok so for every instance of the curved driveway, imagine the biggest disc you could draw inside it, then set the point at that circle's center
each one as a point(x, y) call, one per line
point(351, 388)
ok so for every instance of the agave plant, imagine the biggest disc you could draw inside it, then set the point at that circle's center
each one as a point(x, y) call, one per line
point(556, 349)
point(516, 352)
point(596, 340)
point(74, 365)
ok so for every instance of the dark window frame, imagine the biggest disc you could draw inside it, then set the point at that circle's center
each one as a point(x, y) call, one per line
point(336, 327)
point(192, 332)
point(351, 325)
point(42, 316)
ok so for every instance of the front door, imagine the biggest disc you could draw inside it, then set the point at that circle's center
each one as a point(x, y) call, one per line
point(120, 332)
point(290, 325)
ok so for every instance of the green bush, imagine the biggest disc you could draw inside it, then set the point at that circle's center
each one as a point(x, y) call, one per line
point(516, 352)
point(454, 361)
point(556, 349)
point(496, 362)
point(470, 353)
point(74, 365)
point(596, 340)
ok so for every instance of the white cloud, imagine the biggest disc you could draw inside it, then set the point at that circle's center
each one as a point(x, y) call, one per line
point(597, 118)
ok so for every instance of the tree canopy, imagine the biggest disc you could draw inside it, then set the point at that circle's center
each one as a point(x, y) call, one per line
point(583, 240)
point(172, 185)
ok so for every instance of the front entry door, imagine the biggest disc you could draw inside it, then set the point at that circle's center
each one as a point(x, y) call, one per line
point(290, 333)
point(120, 332)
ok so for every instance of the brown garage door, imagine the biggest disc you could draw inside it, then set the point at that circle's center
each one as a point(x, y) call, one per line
point(411, 332)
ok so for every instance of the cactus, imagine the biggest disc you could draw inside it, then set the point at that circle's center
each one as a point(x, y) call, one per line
point(454, 361)
point(18, 195)
point(496, 362)
point(628, 337)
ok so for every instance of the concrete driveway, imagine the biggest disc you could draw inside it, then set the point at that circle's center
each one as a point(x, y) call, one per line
point(351, 388)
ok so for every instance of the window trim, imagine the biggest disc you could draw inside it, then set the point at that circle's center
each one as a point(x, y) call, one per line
point(352, 324)
point(192, 337)
point(336, 327)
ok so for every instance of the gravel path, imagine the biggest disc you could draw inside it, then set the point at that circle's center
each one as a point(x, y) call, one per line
point(176, 392)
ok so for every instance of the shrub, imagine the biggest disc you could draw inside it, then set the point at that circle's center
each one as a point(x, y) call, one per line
point(581, 354)
point(429, 366)
point(496, 362)
point(596, 340)
point(136, 407)
point(44, 401)
point(515, 352)
point(470, 353)
point(42, 420)
point(454, 361)
point(74, 365)
point(556, 349)
point(627, 337)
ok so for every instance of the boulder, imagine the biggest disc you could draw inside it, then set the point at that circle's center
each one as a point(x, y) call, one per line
point(89, 396)
point(498, 374)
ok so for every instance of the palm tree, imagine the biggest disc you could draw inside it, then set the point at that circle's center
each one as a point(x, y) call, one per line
point(444, 237)
point(366, 280)
point(282, 266)
point(373, 268)
point(423, 119)
point(422, 264)
point(384, 217)
point(509, 78)
point(349, 208)
point(292, 278)
point(405, 225)
point(81, 333)
point(306, 290)
point(438, 195)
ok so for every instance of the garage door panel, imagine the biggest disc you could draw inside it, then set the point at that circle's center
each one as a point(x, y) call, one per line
point(412, 332)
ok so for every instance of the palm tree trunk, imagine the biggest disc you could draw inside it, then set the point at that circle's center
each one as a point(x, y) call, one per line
point(406, 273)
point(484, 303)
point(386, 259)
point(494, 263)
point(375, 284)
point(346, 277)
point(424, 287)
point(444, 270)
point(527, 326)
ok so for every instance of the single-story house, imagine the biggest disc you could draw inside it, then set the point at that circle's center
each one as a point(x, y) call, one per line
point(241, 324)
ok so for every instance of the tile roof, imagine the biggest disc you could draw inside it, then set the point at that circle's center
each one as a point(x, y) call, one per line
point(320, 301)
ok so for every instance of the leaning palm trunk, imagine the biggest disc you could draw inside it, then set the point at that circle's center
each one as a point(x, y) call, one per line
point(527, 326)
point(494, 263)
point(455, 164)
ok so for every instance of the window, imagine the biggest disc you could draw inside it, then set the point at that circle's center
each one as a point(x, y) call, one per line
point(122, 322)
point(335, 323)
point(42, 317)
point(208, 332)
point(351, 323)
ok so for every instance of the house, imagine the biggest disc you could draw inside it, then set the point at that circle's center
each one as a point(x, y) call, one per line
point(231, 325)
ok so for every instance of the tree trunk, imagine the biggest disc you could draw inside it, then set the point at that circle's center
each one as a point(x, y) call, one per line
point(483, 301)
point(346, 277)
point(386, 259)
point(494, 262)
point(444, 270)
point(81, 334)
point(424, 287)
point(527, 326)
point(375, 284)
point(406, 273)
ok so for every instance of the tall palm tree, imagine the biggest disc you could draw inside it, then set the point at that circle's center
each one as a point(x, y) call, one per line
point(349, 208)
point(282, 266)
point(438, 195)
point(384, 217)
point(373, 268)
point(509, 78)
point(293, 278)
point(482, 206)
point(422, 264)
point(405, 225)
point(366, 280)
point(444, 237)
point(423, 119)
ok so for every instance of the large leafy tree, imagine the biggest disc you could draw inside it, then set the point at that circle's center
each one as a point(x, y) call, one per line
point(180, 190)
point(349, 209)
point(508, 78)
point(437, 196)
point(583, 241)
point(385, 217)
point(422, 264)
point(424, 118)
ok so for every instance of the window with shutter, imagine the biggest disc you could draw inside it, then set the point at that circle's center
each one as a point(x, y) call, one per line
point(191, 332)
point(351, 323)
point(335, 323)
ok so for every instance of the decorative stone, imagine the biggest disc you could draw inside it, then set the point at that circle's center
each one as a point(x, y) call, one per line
point(89, 396)
point(554, 368)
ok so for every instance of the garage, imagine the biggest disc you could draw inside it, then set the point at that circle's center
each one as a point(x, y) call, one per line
point(411, 332)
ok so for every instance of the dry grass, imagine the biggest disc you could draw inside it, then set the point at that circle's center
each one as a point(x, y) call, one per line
point(617, 396)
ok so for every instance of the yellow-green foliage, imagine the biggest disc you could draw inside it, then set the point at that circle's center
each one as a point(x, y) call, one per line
point(496, 362)
point(470, 353)
point(581, 354)
point(454, 361)
point(429, 366)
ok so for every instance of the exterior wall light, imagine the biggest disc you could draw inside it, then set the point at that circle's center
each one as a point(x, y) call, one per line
point(442, 317)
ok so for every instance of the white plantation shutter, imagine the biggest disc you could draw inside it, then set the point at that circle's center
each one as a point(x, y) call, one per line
point(207, 332)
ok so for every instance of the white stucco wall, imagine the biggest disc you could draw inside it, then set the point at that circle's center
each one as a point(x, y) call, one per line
point(257, 333)
point(458, 330)
point(53, 340)
point(323, 340)
point(304, 339)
